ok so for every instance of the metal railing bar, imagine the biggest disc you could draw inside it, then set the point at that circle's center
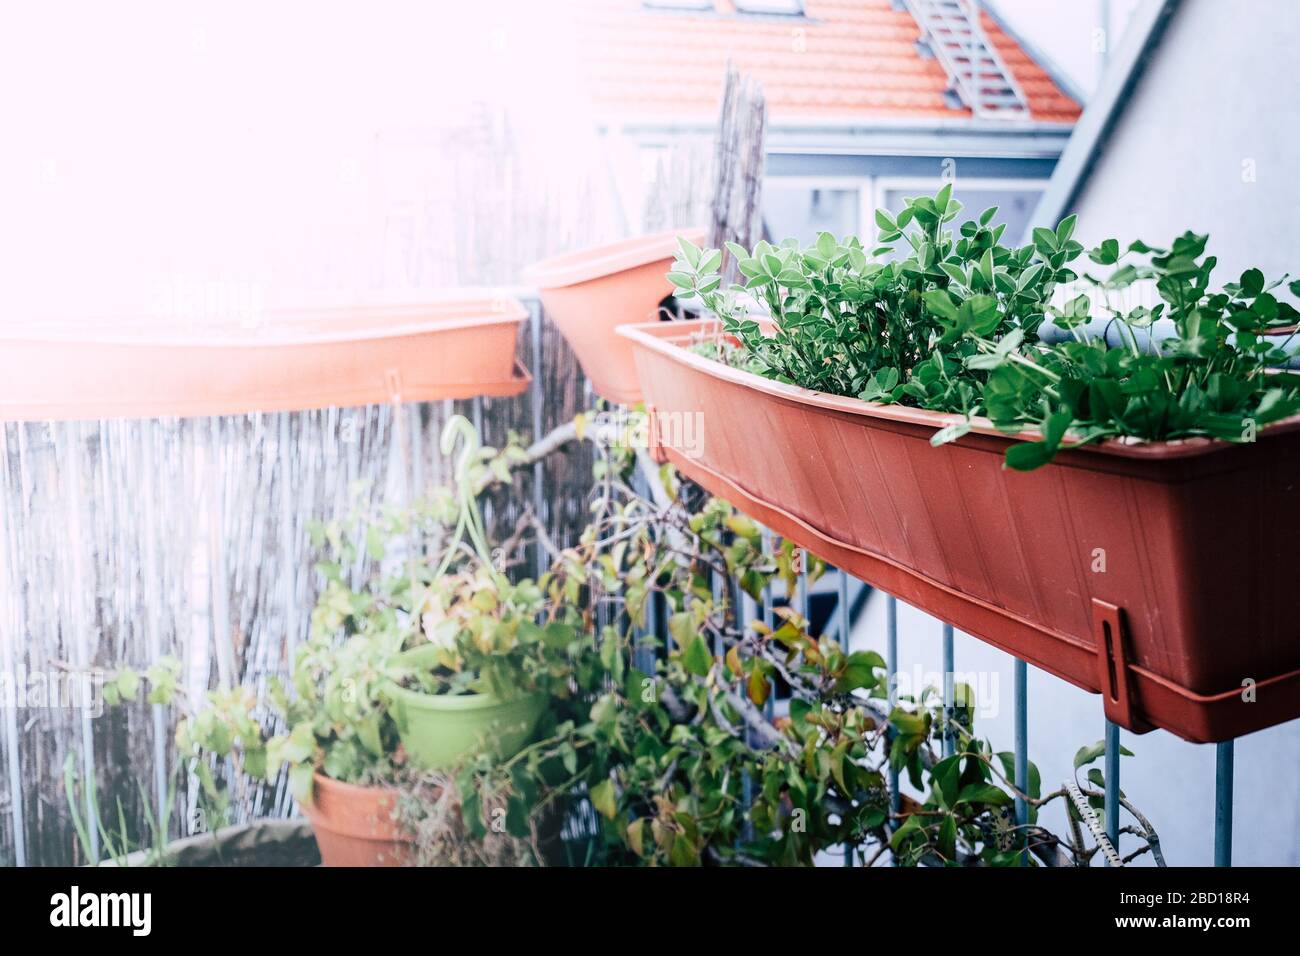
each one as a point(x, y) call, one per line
point(891, 669)
point(769, 614)
point(801, 595)
point(842, 607)
point(803, 604)
point(1223, 760)
point(743, 605)
point(949, 692)
point(652, 627)
point(843, 599)
point(1112, 784)
point(768, 611)
point(719, 596)
point(1021, 704)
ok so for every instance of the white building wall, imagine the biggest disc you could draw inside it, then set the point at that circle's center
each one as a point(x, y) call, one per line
point(1209, 141)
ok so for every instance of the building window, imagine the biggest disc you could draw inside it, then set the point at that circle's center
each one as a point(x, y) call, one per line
point(801, 207)
point(788, 7)
point(692, 5)
point(1015, 204)
point(803, 210)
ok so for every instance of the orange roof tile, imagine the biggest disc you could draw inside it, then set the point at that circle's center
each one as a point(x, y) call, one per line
point(1047, 101)
point(846, 59)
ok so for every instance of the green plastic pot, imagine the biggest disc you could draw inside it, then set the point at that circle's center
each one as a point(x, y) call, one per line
point(440, 730)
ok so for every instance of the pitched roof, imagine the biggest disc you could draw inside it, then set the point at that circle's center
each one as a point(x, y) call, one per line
point(843, 60)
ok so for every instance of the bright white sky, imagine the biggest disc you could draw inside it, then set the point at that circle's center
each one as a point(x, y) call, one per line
point(156, 145)
point(150, 145)
point(1070, 32)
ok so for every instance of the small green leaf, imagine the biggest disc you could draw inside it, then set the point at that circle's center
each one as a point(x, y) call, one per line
point(301, 782)
point(984, 793)
point(603, 798)
point(940, 303)
point(1044, 241)
point(689, 251)
point(1029, 456)
point(1065, 229)
point(859, 671)
point(696, 657)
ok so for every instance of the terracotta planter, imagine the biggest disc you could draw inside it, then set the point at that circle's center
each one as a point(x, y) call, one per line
point(290, 360)
point(354, 825)
point(589, 293)
point(1156, 574)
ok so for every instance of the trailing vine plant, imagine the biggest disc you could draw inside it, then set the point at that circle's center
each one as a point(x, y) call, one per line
point(681, 755)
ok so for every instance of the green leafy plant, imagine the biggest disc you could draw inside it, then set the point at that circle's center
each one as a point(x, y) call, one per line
point(678, 753)
point(661, 747)
point(118, 841)
point(115, 839)
point(853, 322)
point(432, 581)
point(950, 323)
point(1220, 374)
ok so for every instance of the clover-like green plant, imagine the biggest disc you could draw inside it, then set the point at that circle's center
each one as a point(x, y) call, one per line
point(951, 323)
point(1219, 371)
point(864, 324)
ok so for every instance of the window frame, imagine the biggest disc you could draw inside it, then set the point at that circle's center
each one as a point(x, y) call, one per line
point(680, 6)
point(872, 189)
point(931, 184)
point(863, 185)
point(799, 10)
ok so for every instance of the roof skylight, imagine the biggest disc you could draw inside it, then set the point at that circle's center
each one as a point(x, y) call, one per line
point(792, 7)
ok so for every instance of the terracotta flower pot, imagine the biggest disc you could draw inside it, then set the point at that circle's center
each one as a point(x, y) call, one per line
point(290, 360)
point(354, 825)
point(1157, 574)
point(589, 293)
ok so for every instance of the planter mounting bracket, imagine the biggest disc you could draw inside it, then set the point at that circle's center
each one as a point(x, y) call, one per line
point(1111, 639)
point(654, 443)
